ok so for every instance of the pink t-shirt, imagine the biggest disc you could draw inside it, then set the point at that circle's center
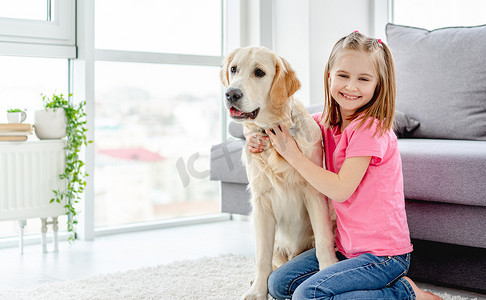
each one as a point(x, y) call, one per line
point(373, 219)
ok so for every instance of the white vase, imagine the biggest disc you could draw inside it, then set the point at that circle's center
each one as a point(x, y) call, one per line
point(50, 123)
point(16, 117)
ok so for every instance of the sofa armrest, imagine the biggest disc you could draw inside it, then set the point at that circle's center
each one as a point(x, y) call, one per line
point(226, 164)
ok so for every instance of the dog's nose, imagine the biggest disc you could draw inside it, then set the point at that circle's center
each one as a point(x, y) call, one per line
point(233, 94)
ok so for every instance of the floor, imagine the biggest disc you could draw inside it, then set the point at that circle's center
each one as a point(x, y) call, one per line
point(108, 254)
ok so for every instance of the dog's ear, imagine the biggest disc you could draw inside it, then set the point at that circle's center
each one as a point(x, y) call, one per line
point(224, 76)
point(285, 82)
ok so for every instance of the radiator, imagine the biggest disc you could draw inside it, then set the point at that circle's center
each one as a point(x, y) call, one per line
point(29, 172)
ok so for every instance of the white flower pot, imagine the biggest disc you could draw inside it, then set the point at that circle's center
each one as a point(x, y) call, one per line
point(50, 123)
point(16, 117)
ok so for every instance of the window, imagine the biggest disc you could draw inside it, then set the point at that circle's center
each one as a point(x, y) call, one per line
point(432, 14)
point(149, 116)
point(23, 79)
point(38, 28)
point(158, 106)
point(25, 9)
point(169, 26)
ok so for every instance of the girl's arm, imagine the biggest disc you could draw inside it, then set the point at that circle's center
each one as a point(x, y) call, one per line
point(338, 187)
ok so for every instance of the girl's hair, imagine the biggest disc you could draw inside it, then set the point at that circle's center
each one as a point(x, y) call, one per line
point(382, 105)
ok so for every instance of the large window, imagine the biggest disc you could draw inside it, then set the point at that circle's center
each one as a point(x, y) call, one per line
point(432, 14)
point(158, 107)
point(157, 97)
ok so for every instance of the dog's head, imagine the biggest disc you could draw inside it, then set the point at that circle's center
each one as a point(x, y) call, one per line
point(256, 80)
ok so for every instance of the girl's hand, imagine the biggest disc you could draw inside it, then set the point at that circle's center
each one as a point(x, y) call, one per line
point(284, 143)
point(257, 143)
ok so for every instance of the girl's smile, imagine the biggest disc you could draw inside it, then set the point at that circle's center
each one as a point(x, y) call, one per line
point(349, 97)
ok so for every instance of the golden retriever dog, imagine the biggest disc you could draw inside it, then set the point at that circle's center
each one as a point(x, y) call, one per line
point(289, 215)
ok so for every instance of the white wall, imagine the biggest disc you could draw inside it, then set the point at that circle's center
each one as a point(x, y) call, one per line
point(292, 39)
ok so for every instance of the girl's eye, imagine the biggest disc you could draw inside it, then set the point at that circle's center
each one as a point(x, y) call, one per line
point(259, 73)
point(343, 76)
point(233, 70)
point(364, 79)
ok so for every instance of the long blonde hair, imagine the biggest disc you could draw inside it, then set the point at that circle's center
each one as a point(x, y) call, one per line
point(382, 105)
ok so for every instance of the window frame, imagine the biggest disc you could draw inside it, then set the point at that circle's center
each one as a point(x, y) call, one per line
point(54, 39)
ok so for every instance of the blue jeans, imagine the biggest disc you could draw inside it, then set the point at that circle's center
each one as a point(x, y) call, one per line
point(364, 277)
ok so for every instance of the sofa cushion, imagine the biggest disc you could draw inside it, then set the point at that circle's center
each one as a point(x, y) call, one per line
point(450, 171)
point(441, 79)
point(403, 125)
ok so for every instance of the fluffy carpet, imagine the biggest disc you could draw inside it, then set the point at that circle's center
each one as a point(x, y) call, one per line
point(219, 278)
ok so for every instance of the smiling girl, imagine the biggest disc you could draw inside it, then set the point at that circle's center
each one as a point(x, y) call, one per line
point(363, 179)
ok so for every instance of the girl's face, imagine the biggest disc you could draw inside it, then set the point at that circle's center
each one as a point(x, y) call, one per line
point(352, 80)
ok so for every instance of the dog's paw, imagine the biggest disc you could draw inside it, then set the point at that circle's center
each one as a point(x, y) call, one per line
point(252, 294)
point(326, 261)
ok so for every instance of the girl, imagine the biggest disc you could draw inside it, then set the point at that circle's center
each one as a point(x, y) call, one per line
point(363, 179)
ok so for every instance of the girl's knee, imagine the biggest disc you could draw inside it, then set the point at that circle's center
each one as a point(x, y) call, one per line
point(303, 291)
point(309, 291)
point(277, 286)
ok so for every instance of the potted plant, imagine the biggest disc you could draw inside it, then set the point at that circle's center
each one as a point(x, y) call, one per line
point(74, 174)
point(50, 122)
point(16, 115)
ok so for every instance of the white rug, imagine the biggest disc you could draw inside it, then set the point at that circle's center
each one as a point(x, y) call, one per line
point(219, 278)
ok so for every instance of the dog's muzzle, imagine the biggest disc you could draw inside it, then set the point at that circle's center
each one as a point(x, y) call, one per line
point(233, 97)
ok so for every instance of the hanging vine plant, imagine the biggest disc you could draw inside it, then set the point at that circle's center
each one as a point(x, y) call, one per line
point(74, 173)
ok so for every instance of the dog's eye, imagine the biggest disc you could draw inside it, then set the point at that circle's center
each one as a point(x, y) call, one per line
point(259, 73)
point(233, 69)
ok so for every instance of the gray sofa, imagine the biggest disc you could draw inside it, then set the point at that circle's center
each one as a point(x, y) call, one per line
point(441, 104)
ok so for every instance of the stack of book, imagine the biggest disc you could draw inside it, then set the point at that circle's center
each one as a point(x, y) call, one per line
point(15, 131)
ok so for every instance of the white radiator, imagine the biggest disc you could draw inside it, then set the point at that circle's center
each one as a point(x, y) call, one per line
point(29, 172)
